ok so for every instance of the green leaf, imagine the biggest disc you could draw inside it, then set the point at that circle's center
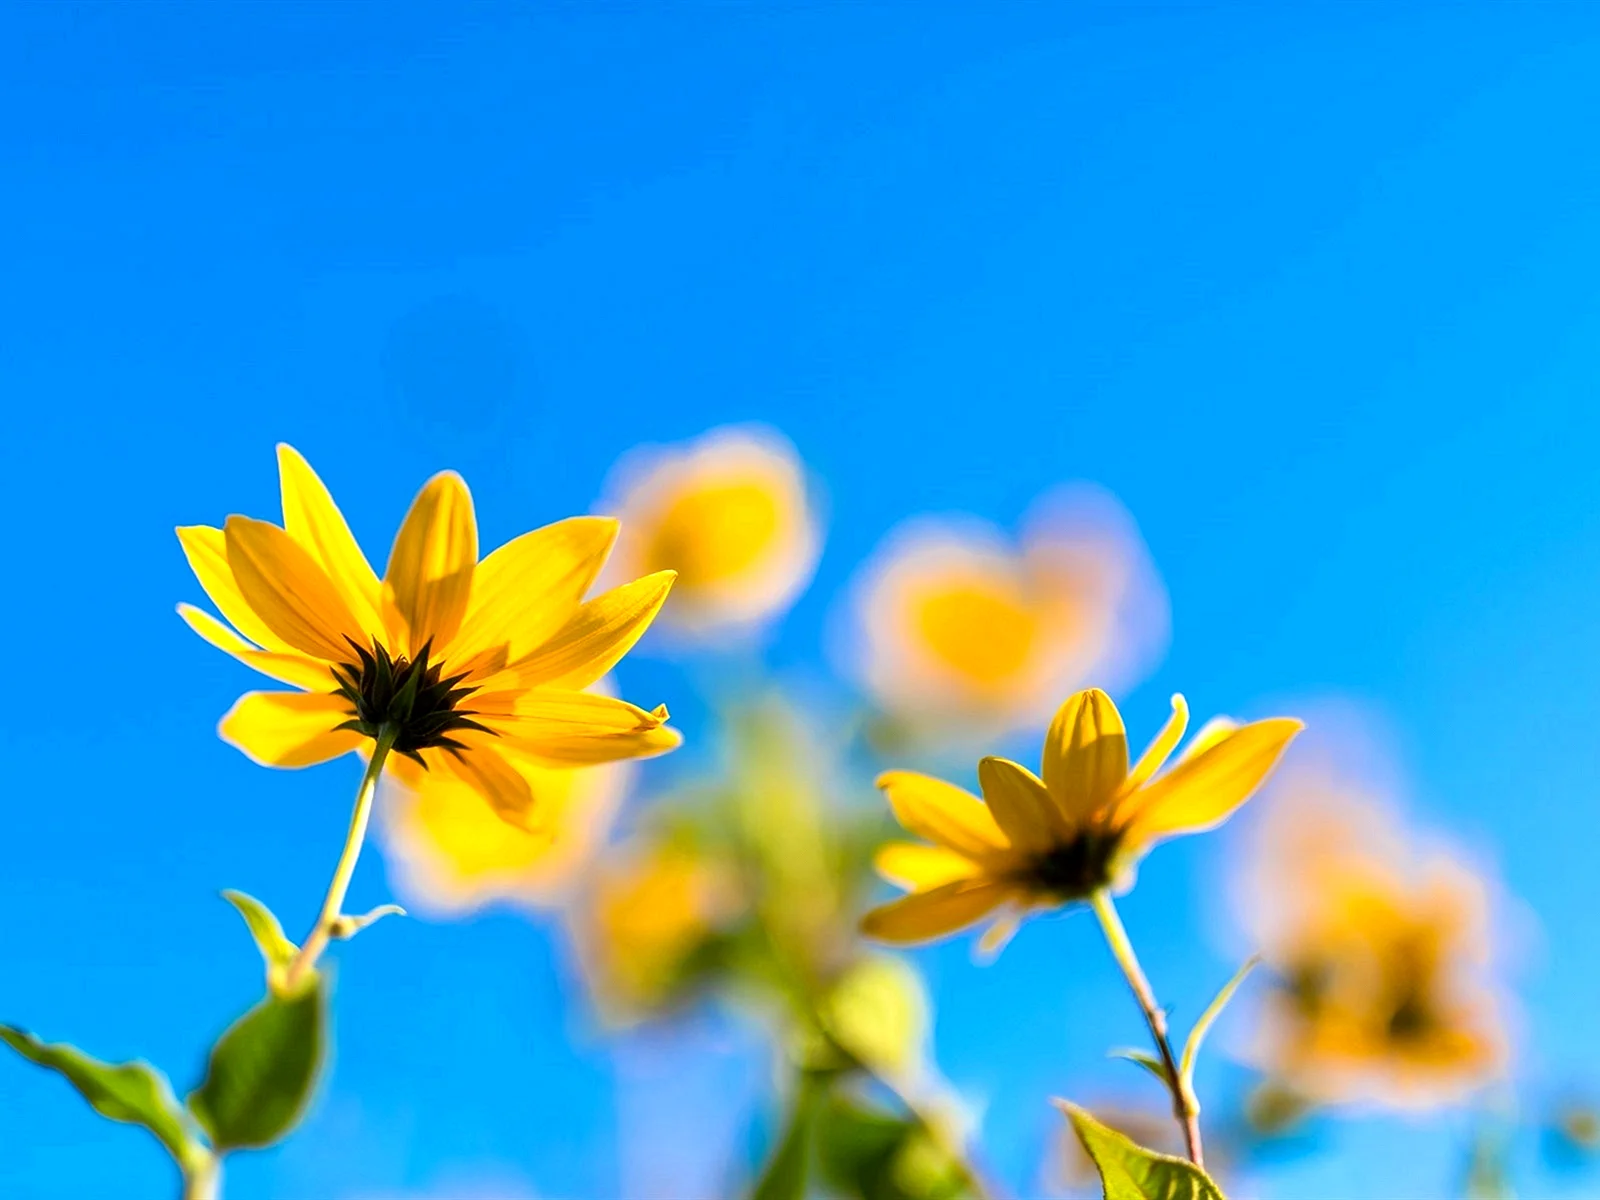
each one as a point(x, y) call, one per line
point(134, 1092)
point(1148, 1061)
point(1130, 1172)
point(878, 1012)
point(787, 1170)
point(276, 949)
point(262, 1070)
point(867, 1154)
point(1191, 1048)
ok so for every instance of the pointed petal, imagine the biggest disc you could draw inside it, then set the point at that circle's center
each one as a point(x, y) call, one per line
point(1085, 754)
point(998, 936)
point(596, 637)
point(919, 867)
point(309, 673)
point(1200, 792)
point(429, 578)
point(1158, 751)
point(923, 916)
point(943, 813)
point(207, 551)
point(572, 728)
point(288, 591)
point(528, 588)
point(289, 729)
point(1208, 735)
point(311, 518)
point(1022, 806)
point(487, 772)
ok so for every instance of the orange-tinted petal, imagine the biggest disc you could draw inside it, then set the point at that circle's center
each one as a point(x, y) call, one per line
point(1032, 820)
point(922, 916)
point(943, 813)
point(207, 551)
point(919, 867)
point(1085, 754)
point(289, 591)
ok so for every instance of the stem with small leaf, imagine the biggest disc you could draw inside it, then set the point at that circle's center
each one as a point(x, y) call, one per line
point(1183, 1109)
point(332, 906)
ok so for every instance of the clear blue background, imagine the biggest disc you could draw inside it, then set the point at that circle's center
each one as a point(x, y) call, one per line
point(1314, 289)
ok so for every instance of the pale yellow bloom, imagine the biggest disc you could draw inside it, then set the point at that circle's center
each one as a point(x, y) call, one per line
point(449, 853)
point(473, 670)
point(959, 631)
point(647, 911)
point(730, 512)
point(1379, 956)
point(1042, 842)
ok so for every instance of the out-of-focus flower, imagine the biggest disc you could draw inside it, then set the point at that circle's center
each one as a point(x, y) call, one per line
point(1379, 956)
point(451, 854)
point(731, 514)
point(649, 912)
point(959, 630)
point(466, 670)
point(1042, 843)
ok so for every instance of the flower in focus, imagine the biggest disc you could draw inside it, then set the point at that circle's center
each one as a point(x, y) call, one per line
point(470, 672)
point(1044, 842)
point(649, 913)
point(1379, 958)
point(959, 630)
point(452, 854)
point(730, 514)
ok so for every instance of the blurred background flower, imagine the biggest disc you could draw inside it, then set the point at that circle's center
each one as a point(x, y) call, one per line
point(733, 514)
point(1382, 990)
point(961, 632)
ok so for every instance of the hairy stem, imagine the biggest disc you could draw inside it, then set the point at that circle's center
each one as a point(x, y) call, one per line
point(1154, 1016)
point(333, 904)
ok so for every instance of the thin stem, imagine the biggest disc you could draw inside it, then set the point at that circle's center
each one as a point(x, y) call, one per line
point(202, 1177)
point(1154, 1016)
point(333, 904)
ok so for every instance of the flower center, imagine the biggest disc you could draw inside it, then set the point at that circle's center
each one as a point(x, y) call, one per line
point(1075, 869)
point(412, 696)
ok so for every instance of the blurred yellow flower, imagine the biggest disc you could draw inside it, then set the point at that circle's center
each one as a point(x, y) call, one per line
point(467, 671)
point(1379, 993)
point(957, 630)
point(646, 913)
point(450, 853)
point(1044, 842)
point(730, 513)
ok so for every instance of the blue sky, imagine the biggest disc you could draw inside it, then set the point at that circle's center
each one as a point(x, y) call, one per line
point(1312, 288)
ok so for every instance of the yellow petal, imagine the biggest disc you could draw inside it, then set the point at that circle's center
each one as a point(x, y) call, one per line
point(922, 916)
point(943, 813)
point(309, 673)
point(528, 588)
point(1085, 754)
point(289, 729)
point(1030, 816)
point(288, 591)
point(207, 551)
point(429, 577)
point(596, 637)
point(486, 771)
point(1208, 735)
point(918, 867)
point(312, 518)
point(571, 728)
point(1200, 792)
point(1158, 751)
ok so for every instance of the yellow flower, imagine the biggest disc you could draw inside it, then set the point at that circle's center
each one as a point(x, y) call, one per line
point(451, 854)
point(961, 631)
point(649, 908)
point(1379, 994)
point(730, 514)
point(1044, 842)
point(472, 671)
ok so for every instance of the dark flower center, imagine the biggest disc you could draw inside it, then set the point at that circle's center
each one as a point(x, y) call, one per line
point(411, 696)
point(1075, 869)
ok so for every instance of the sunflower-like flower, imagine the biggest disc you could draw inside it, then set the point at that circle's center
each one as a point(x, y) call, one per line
point(1380, 992)
point(731, 513)
point(448, 666)
point(1045, 842)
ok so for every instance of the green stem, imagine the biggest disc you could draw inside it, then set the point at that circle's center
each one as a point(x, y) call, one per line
point(333, 904)
point(1154, 1016)
point(202, 1177)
